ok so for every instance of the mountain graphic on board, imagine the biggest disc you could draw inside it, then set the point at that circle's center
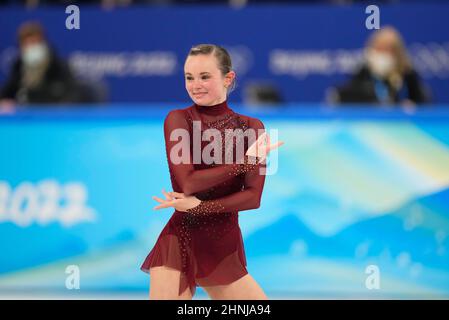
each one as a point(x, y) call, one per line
point(419, 228)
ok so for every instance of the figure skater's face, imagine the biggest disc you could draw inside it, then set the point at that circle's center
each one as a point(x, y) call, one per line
point(205, 82)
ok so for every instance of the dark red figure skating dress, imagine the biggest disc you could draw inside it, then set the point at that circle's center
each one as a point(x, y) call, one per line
point(206, 243)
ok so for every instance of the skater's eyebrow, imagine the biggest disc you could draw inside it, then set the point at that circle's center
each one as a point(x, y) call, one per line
point(205, 72)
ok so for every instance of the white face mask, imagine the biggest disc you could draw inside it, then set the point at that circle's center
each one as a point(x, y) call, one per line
point(34, 54)
point(380, 63)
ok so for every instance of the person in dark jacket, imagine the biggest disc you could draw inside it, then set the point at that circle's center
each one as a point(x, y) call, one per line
point(386, 76)
point(38, 75)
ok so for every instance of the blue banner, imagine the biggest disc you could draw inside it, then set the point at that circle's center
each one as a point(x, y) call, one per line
point(139, 52)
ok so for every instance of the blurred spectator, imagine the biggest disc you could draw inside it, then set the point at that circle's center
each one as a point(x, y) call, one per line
point(38, 75)
point(261, 93)
point(386, 76)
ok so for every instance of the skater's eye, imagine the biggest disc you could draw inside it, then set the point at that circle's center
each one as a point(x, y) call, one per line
point(205, 77)
point(189, 78)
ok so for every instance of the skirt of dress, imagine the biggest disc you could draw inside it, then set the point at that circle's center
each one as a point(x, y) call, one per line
point(208, 250)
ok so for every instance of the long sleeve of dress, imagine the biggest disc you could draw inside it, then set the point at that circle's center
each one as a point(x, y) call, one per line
point(246, 199)
point(180, 161)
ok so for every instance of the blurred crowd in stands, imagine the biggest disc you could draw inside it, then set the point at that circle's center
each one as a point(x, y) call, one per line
point(39, 76)
point(385, 77)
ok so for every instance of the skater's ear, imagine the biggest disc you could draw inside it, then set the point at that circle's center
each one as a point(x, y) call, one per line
point(229, 80)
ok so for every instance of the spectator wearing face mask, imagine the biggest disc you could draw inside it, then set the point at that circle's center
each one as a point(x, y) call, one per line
point(386, 76)
point(38, 76)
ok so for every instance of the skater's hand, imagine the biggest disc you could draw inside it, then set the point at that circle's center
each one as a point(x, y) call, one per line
point(262, 147)
point(176, 200)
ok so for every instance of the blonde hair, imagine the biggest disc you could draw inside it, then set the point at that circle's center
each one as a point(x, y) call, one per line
point(403, 62)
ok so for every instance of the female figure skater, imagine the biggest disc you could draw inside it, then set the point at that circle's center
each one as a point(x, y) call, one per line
point(202, 242)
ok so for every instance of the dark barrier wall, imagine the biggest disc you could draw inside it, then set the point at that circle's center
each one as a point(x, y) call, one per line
point(139, 52)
